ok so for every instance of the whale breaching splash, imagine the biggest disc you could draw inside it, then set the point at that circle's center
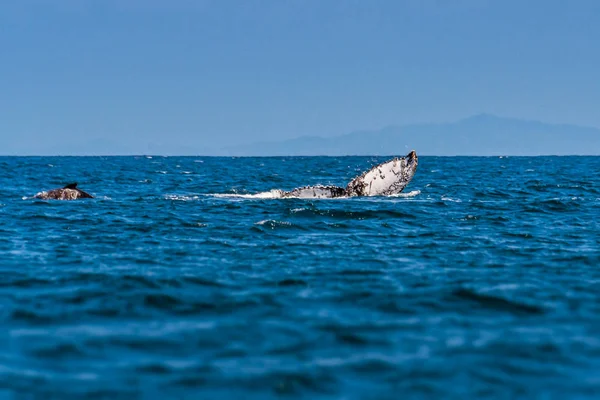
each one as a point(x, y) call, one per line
point(69, 192)
point(388, 178)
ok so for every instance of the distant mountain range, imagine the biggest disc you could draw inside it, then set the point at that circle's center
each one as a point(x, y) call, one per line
point(482, 134)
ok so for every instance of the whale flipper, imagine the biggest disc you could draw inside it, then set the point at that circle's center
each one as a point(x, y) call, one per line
point(84, 195)
point(388, 178)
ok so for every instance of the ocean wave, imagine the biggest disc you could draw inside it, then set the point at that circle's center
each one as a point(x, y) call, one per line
point(451, 199)
point(490, 273)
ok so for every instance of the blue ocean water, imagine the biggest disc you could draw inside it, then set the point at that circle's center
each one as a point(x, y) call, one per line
point(481, 280)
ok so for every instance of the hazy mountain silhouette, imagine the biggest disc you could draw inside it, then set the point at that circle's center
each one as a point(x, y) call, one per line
point(482, 134)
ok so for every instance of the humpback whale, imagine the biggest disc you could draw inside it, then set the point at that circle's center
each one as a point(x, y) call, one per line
point(69, 192)
point(390, 177)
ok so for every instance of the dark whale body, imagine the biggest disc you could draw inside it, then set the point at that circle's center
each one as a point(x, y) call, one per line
point(69, 192)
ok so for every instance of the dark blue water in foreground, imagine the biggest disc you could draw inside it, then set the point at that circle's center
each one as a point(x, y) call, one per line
point(483, 280)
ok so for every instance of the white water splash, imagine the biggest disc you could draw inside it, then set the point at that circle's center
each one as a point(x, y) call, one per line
point(178, 197)
point(412, 193)
point(297, 210)
point(273, 223)
point(271, 194)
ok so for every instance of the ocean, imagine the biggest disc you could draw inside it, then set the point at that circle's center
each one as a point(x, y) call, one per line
point(185, 278)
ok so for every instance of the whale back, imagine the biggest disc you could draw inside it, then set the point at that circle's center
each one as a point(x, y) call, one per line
point(316, 192)
point(59, 194)
point(68, 192)
point(388, 178)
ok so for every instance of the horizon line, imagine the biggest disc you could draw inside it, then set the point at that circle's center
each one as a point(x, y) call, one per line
point(295, 155)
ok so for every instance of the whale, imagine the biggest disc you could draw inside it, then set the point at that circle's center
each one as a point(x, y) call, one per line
point(69, 192)
point(385, 179)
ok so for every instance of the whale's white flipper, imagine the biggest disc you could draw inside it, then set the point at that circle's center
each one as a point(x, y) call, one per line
point(388, 178)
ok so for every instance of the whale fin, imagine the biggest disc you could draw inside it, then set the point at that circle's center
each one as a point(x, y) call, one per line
point(71, 186)
point(388, 178)
point(84, 195)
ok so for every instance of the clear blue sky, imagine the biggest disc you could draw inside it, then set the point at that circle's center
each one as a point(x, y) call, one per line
point(210, 73)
